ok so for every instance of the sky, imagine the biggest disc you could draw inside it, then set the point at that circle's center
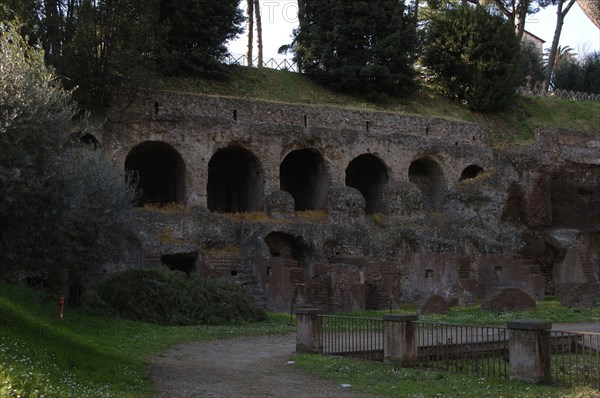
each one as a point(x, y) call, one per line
point(281, 16)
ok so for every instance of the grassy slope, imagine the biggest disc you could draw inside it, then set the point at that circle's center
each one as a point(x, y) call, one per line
point(516, 125)
point(87, 355)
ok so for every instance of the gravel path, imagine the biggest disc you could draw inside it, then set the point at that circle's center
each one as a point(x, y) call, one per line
point(246, 367)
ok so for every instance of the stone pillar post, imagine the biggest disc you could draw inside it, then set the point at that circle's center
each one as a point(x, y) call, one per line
point(529, 351)
point(400, 340)
point(309, 327)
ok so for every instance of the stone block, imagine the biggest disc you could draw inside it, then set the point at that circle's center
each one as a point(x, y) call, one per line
point(403, 199)
point(434, 305)
point(577, 295)
point(280, 204)
point(345, 204)
point(508, 299)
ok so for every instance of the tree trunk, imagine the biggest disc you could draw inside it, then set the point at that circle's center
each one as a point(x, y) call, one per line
point(560, 19)
point(522, 16)
point(250, 31)
point(259, 33)
point(417, 11)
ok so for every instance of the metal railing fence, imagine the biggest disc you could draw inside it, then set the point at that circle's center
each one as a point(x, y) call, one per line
point(575, 358)
point(478, 350)
point(564, 94)
point(270, 63)
point(353, 337)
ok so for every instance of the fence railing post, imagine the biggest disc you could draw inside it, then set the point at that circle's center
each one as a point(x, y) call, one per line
point(400, 340)
point(529, 351)
point(309, 329)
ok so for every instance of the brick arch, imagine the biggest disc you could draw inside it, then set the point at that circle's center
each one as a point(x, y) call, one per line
point(369, 174)
point(235, 181)
point(304, 175)
point(159, 172)
point(428, 175)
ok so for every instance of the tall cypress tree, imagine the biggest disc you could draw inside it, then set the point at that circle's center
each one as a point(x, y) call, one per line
point(473, 56)
point(360, 46)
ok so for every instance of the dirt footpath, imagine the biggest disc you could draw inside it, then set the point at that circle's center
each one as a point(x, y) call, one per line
point(246, 367)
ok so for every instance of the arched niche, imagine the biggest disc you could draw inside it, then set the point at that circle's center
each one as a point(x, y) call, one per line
point(369, 175)
point(159, 172)
point(235, 181)
point(427, 174)
point(303, 174)
point(470, 172)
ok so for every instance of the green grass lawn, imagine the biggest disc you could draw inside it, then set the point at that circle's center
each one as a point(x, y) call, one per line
point(390, 381)
point(88, 355)
point(92, 355)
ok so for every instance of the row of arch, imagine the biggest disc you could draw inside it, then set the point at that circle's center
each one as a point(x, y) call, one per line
point(236, 179)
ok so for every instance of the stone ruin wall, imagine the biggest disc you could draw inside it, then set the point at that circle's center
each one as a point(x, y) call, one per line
point(496, 232)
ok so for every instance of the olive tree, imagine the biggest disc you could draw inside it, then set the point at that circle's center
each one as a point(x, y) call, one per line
point(62, 205)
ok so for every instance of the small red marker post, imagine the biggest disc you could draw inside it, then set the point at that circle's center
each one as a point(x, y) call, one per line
point(61, 305)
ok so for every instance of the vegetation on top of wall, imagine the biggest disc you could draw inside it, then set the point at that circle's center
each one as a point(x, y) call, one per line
point(169, 208)
point(515, 125)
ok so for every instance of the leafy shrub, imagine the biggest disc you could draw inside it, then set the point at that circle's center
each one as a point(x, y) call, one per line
point(172, 298)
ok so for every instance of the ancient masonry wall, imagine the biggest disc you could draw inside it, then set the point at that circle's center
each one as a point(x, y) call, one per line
point(199, 126)
point(531, 222)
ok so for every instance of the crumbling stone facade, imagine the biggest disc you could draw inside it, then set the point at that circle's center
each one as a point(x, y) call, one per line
point(353, 209)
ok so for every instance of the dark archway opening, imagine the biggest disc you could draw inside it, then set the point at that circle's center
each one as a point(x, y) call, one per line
point(283, 276)
point(427, 174)
point(471, 172)
point(235, 181)
point(369, 175)
point(304, 176)
point(184, 262)
point(158, 171)
point(285, 247)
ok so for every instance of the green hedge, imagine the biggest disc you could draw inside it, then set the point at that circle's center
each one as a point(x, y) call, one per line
point(172, 298)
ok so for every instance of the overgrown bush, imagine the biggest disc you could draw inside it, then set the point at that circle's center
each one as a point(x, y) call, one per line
point(172, 298)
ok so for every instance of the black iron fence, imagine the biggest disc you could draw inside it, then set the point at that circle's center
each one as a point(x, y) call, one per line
point(270, 63)
point(478, 350)
point(360, 338)
point(575, 358)
point(565, 358)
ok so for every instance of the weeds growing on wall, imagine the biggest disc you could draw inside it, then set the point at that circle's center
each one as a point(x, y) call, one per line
point(169, 208)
